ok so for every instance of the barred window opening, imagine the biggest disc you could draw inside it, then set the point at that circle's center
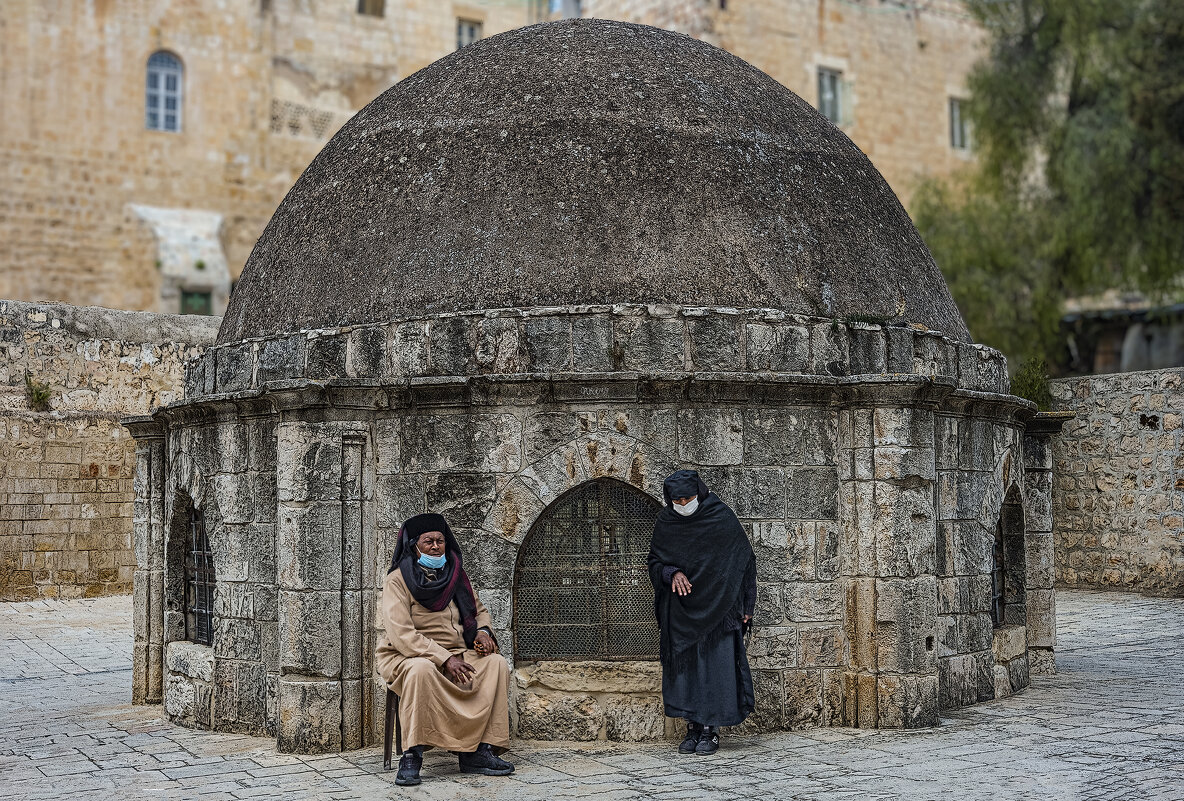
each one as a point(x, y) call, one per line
point(582, 588)
point(199, 583)
point(999, 580)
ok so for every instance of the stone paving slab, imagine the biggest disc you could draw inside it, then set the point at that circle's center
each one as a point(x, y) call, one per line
point(1109, 725)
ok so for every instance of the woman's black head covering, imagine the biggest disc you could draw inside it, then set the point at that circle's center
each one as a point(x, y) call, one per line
point(684, 484)
point(450, 583)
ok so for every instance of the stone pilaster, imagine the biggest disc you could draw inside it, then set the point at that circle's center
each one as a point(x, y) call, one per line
point(323, 566)
point(1039, 552)
point(148, 581)
point(887, 472)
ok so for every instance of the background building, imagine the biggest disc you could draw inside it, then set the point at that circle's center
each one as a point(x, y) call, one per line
point(145, 143)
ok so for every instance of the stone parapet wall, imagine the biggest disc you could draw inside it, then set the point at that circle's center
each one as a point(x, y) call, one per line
point(1118, 493)
point(593, 340)
point(66, 472)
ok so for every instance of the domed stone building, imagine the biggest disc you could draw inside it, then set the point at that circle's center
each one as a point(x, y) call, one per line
point(520, 288)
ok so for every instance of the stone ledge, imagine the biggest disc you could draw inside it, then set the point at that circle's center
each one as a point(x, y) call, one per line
point(591, 677)
point(190, 659)
point(664, 342)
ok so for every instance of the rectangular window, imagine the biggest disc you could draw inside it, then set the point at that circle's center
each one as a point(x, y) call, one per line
point(958, 138)
point(829, 101)
point(467, 32)
point(199, 583)
point(372, 8)
point(196, 302)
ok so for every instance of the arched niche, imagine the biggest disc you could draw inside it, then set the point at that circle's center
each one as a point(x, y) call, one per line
point(1008, 577)
point(581, 587)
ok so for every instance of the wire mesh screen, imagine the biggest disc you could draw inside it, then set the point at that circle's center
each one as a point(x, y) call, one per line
point(199, 583)
point(582, 589)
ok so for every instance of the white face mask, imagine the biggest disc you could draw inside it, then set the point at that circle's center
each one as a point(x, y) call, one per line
point(687, 509)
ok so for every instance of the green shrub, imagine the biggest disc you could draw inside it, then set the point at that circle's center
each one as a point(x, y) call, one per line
point(38, 394)
point(1031, 383)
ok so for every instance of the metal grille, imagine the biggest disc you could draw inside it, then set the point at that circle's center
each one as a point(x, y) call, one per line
point(199, 583)
point(582, 589)
point(998, 579)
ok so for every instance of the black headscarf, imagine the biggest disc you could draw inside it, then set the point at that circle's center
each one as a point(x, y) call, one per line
point(451, 583)
point(711, 548)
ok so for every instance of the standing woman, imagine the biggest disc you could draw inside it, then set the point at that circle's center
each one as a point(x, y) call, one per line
point(704, 576)
point(439, 655)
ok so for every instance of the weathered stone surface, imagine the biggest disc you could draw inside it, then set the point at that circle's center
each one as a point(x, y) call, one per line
point(308, 465)
point(1008, 643)
point(191, 660)
point(716, 343)
point(813, 493)
point(460, 441)
point(308, 546)
point(398, 498)
point(773, 647)
point(558, 717)
point(310, 716)
point(631, 719)
point(907, 702)
point(803, 698)
point(657, 427)
point(650, 344)
point(465, 499)
point(326, 356)
point(814, 601)
point(513, 513)
point(310, 633)
point(791, 436)
point(367, 353)
point(548, 343)
point(235, 366)
point(592, 677)
point(543, 432)
point(752, 492)
point(280, 359)
point(780, 348)
point(821, 646)
point(711, 436)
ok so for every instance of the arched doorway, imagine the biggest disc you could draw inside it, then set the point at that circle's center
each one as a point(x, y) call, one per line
point(581, 587)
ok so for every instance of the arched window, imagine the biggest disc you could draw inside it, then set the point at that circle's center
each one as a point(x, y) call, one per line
point(199, 582)
point(581, 587)
point(998, 579)
point(162, 101)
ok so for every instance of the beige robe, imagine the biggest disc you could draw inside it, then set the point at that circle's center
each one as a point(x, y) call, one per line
point(432, 710)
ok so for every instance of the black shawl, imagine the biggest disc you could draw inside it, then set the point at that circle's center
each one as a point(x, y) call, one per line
point(450, 583)
point(710, 546)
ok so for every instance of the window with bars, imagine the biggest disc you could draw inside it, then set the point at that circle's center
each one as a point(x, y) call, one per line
point(162, 101)
point(999, 579)
point(959, 139)
point(372, 8)
point(199, 583)
point(193, 302)
point(830, 94)
point(467, 32)
point(581, 588)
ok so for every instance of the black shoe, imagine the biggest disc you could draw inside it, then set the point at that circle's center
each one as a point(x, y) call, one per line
point(694, 732)
point(409, 765)
point(485, 762)
point(709, 742)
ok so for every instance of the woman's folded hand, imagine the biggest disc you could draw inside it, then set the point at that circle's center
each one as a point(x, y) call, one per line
point(484, 644)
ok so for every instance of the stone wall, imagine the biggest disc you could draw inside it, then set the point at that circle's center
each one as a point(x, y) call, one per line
point(267, 83)
point(869, 465)
point(66, 472)
point(1118, 493)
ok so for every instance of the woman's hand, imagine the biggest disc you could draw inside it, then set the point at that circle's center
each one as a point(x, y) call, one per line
point(458, 671)
point(484, 644)
point(680, 584)
point(746, 619)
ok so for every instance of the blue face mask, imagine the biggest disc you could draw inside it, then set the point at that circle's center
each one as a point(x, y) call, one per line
point(433, 562)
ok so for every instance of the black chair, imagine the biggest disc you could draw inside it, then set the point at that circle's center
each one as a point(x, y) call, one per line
point(392, 725)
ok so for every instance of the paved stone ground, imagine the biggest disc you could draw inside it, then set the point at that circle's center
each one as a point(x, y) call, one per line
point(1110, 725)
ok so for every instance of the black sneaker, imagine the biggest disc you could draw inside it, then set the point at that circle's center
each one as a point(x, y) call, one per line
point(709, 742)
point(485, 762)
point(694, 732)
point(409, 765)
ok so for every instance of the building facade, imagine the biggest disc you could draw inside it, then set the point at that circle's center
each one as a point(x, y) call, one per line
point(145, 143)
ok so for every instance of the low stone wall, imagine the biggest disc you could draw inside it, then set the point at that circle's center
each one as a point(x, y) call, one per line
point(1118, 496)
point(66, 469)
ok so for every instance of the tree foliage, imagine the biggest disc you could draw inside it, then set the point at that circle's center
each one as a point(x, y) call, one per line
point(1078, 186)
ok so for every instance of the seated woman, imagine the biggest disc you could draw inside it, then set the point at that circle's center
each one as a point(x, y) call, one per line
point(439, 655)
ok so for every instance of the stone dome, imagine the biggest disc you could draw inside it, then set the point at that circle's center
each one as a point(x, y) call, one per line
point(579, 162)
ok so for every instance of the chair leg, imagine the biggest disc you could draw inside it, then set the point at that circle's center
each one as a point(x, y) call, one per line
point(398, 727)
point(392, 701)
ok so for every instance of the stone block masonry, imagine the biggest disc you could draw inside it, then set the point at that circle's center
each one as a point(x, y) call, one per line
point(1118, 491)
point(66, 489)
